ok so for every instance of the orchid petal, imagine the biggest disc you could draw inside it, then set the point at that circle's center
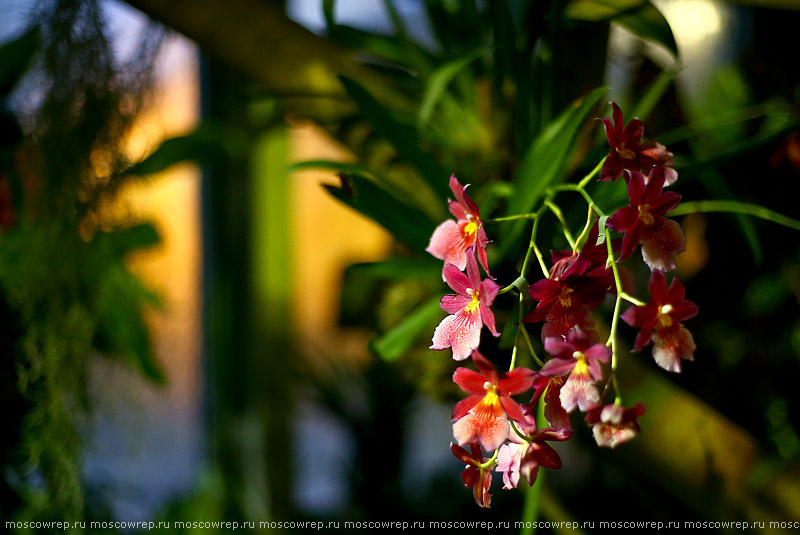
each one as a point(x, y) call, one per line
point(487, 369)
point(470, 381)
point(516, 381)
point(661, 243)
point(452, 304)
point(465, 405)
point(558, 366)
point(456, 279)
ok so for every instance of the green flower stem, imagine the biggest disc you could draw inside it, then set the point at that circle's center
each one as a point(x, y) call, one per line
point(530, 509)
point(516, 284)
point(516, 217)
point(528, 342)
point(535, 248)
point(585, 180)
point(514, 349)
point(489, 463)
point(589, 221)
point(631, 299)
point(532, 248)
point(519, 433)
point(560, 216)
point(578, 188)
point(612, 335)
point(735, 207)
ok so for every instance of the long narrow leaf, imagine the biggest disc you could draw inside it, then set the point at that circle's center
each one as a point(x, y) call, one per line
point(15, 58)
point(639, 16)
point(400, 268)
point(738, 150)
point(545, 161)
point(400, 136)
point(654, 93)
point(713, 181)
point(395, 342)
point(736, 207)
point(708, 124)
point(206, 145)
point(342, 167)
point(406, 223)
point(438, 82)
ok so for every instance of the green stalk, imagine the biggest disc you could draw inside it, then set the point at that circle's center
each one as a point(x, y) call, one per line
point(530, 509)
point(612, 336)
point(560, 216)
point(585, 180)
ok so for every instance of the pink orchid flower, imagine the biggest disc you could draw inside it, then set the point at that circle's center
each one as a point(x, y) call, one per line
point(614, 424)
point(483, 416)
point(580, 357)
point(468, 308)
point(452, 239)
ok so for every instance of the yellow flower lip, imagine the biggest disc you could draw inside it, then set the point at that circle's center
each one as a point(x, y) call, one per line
point(581, 367)
point(475, 303)
point(664, 319)
point(491, 399)
point(628, 154)
point(564, 299)
point(645, 216)
point(470, 228)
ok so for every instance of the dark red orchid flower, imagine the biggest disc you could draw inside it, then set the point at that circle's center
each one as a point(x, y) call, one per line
point(643, 221)
point(480, 479)
point(628, 152)
point(660, 321)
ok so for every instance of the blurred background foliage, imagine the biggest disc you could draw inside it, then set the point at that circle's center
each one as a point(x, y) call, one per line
point(503, 95)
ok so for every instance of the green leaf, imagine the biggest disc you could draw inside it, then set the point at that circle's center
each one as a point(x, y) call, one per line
point(775, 111)
point(545, 161)
point(140, 236)
point(654, 93)
point(397, 20)
point(601, 224)
point(438, 82)
point(744, 147)
point(639, 16)
point(400, 136)
point(206, 145)
point(736, 207)
point(328, 8)
point(406, 223)
point(342, 167)
point(121, 328)
point(399, 268)
point(395, 342)
point(386, 46)
point(15, 58)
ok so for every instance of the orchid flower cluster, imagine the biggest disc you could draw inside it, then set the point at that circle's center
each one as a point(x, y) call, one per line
point(580, 368)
